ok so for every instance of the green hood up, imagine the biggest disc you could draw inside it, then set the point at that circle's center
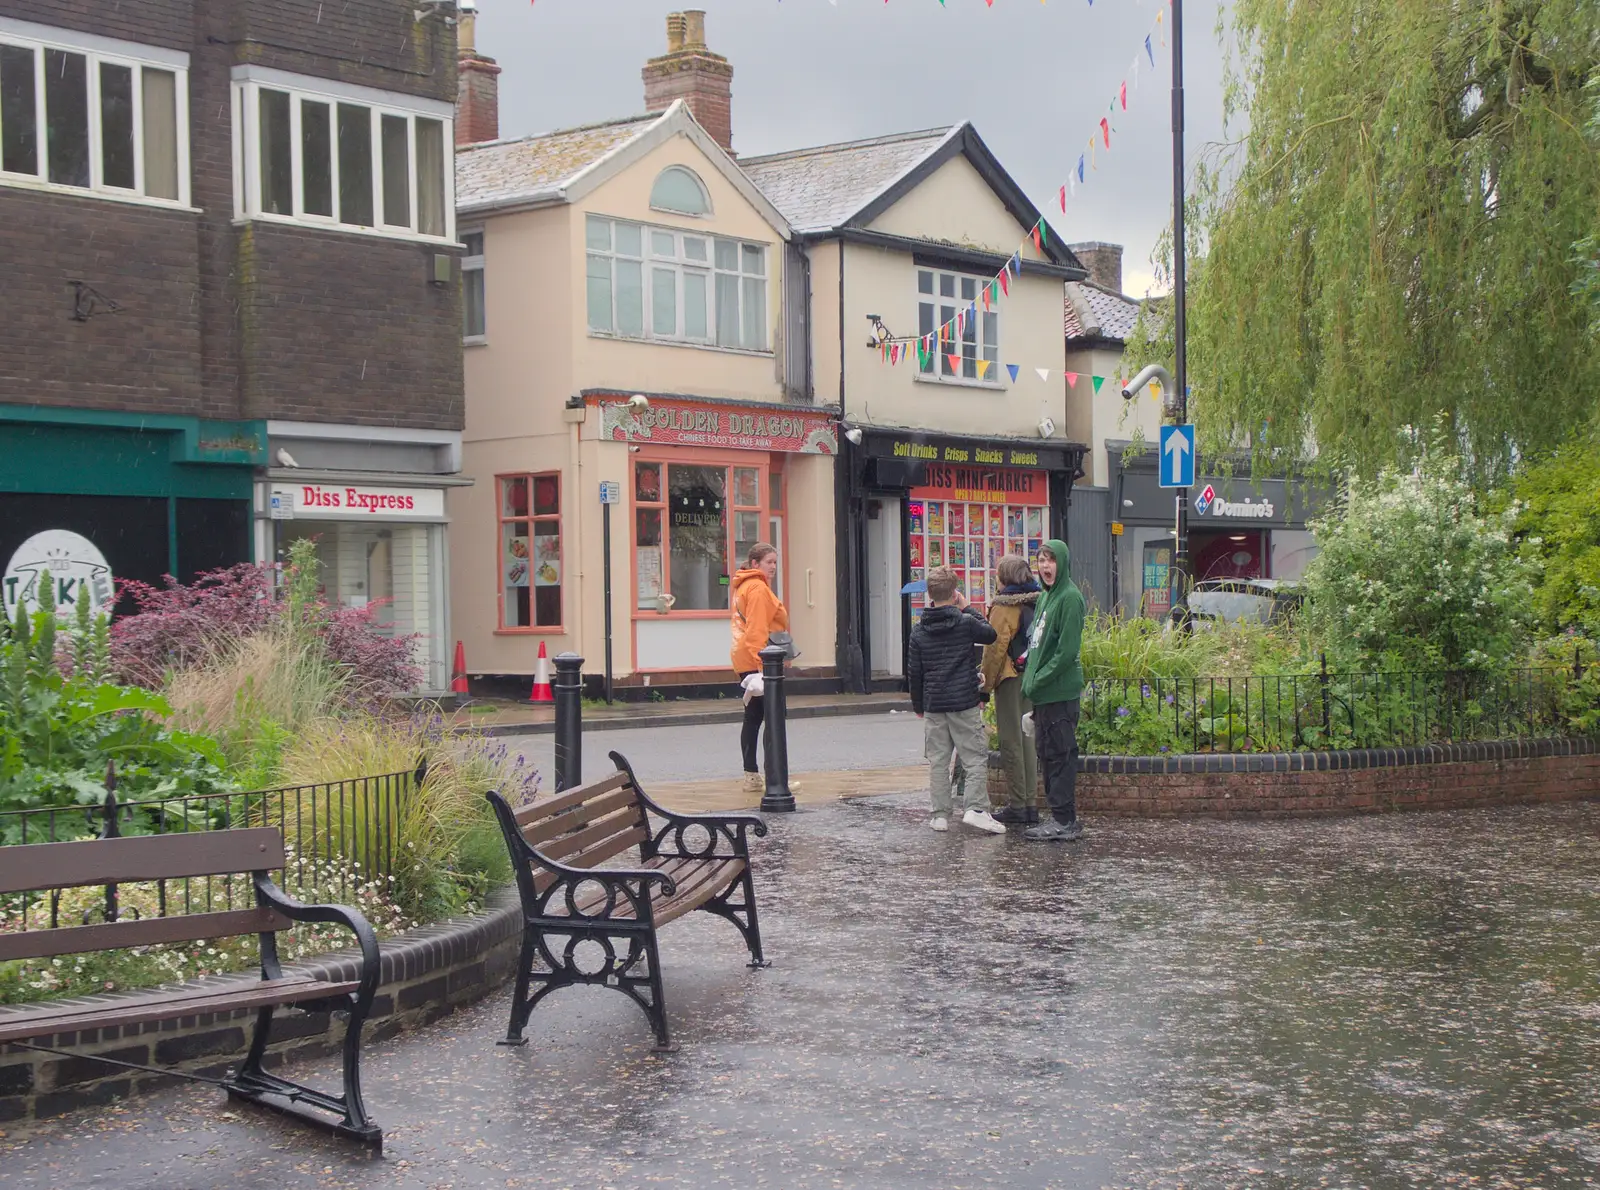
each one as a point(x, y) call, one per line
point(1054, 672)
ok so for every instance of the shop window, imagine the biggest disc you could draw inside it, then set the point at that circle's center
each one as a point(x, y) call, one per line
point(940, 296)
point(694, 524)
point(970, 539)
point(675, 286)
point(331, 159)
point(530, 550)
point(94, 119)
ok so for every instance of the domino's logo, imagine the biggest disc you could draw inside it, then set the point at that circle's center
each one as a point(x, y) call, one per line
point(1204, 500)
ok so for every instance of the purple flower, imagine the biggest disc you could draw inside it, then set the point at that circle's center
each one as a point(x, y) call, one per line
point(1144, 691)
point(1123, 712)
point(1170, 699)
point(1164, 748)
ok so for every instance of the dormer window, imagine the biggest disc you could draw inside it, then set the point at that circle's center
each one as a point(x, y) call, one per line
point(678, 190)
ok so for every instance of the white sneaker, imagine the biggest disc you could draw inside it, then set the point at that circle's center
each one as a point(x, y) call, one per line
point(940, 823)
point(984, 821)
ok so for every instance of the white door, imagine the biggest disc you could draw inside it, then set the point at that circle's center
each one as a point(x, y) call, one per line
point(883, 588)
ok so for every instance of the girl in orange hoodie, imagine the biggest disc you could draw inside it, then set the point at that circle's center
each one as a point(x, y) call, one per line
point(757, 613)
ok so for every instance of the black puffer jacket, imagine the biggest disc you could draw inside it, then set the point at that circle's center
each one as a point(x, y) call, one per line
point(943, 669)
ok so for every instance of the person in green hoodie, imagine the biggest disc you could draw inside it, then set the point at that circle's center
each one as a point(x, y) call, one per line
point(1053, 682)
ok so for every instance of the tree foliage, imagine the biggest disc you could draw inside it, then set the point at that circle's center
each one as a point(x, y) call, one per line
point(1402, 233)
point(1558, 516)
point(1413, 572)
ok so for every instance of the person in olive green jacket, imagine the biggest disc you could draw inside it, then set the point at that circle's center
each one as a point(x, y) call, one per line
point(1011, 617)
point(1053, 682)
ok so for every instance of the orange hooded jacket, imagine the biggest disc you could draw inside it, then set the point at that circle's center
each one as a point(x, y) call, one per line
point(757, 613)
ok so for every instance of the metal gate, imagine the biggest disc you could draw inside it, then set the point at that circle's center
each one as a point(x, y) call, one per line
point(1089, 539)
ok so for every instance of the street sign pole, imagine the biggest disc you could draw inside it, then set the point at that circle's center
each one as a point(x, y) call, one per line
point(1180, 556)
point(610, 493)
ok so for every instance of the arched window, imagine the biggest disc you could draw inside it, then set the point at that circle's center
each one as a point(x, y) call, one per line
point(677, 189)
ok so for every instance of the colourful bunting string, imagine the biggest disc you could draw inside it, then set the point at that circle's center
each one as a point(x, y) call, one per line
point(1013, 369)
point(983, 368)
point(1098, 381)
point(1072, 380)
point(1044, 374)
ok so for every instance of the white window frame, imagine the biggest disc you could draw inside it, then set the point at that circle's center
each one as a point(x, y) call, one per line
point(250, 81)
point(973, 336)
point(473, 263)
point(705, 194)
point(680, 265)
point(100, 51)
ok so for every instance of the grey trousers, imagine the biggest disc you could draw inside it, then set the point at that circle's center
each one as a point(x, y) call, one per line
point(960, 733)
point(1016, 750)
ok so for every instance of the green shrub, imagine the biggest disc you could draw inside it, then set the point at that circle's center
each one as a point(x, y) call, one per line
point(1557, 513)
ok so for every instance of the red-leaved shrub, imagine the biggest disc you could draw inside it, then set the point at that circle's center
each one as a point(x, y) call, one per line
point(179, 626)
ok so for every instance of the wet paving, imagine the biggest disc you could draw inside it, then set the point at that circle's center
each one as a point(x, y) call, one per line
point(1377, 1002)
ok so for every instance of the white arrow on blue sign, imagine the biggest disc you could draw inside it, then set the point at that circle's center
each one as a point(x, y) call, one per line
point(1177, 456)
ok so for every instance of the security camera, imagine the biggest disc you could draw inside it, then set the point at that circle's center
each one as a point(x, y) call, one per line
point(1046, 427)
point(638, 401)
point(853, 435)
point(633, 449)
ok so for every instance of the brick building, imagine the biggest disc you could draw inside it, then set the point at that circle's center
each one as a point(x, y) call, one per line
point(231, 313)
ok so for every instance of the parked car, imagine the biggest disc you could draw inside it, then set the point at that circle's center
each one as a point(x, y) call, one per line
point(1244, 600)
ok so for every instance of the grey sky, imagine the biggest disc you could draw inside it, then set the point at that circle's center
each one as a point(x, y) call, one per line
point(1033, 78)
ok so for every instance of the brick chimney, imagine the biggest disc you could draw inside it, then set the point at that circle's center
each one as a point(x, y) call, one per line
point(477, 83)
point(1104, 262)
point(690, 72)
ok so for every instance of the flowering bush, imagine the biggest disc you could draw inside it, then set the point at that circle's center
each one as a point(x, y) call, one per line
point(310, 879)
point(1414, 574)
point(182, 626)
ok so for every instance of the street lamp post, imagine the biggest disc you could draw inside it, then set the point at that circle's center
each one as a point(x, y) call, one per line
point(1180, 552)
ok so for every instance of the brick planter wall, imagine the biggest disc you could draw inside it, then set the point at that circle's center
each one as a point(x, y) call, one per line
point(1359, 781)
point(426, 973)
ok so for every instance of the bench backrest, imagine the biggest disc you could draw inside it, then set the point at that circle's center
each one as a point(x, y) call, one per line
point(31, 867)
point(584, 827)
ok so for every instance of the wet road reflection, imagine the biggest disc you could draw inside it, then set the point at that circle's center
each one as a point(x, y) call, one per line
point(1397, 1001)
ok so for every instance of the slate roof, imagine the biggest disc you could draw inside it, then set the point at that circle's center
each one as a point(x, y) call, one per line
point(1115, 312)
point(822, 187)
point(533, 167)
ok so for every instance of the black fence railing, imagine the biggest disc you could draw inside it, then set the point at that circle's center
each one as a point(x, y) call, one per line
point(338, 834)
point(1297, 712)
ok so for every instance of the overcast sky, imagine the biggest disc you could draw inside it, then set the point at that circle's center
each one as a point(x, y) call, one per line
point(1034, 78)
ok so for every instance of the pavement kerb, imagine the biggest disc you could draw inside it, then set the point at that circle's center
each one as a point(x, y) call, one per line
point(733, 713)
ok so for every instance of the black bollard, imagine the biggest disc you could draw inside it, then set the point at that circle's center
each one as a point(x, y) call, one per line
point(568, 689)
point(777, 798)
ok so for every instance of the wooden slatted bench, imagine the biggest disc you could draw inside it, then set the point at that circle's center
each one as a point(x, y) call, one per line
point(682, 862)
point(45, 867)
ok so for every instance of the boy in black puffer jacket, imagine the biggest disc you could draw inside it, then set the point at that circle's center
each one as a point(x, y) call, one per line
point(943, 675)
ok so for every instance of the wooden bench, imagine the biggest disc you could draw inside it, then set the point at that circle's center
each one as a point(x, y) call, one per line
point(46, 867)
point(682, 862)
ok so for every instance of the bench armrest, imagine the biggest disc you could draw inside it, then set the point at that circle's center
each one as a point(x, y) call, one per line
point(270, 895)
point(613, 880)
point(729, 827)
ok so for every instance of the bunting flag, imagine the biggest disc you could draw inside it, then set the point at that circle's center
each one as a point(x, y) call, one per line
point(955, 361)
point(1013, 369)
point(955, 328)
point(1098, 381)
point(1044, 374)
point(1072, 380)
point(983, 368)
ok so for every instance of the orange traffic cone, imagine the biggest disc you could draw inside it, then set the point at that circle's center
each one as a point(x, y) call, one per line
point(541, 679)
point(458, 675)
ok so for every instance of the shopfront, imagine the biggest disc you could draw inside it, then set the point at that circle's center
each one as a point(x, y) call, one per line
point(705, 481)
point(962, 503)
point(1238, 528)
point(87, 494)
point(379, 542)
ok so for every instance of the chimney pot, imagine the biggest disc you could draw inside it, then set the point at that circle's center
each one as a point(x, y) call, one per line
point(691, 72)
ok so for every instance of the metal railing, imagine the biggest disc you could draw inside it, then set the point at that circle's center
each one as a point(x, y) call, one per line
point(339, 831)
point(1323, 709)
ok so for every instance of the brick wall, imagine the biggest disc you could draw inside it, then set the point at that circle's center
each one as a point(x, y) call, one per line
point(426, 975)
point(227, 322)
point(1298, 785)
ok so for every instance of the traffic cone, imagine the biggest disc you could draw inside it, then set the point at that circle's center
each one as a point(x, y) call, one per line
point(541, 679)
point(458, 675)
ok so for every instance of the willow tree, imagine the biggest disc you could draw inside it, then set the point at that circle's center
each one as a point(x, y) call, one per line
point(1400, 234)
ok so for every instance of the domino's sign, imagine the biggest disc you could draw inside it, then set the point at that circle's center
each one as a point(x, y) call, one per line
point(1204, 500)
point(77, 570)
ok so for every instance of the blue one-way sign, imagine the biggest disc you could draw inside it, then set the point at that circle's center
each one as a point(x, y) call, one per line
point(1176, 456)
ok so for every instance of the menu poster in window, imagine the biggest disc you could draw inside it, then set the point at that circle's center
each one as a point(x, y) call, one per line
point(958, 519)
point(649, 562)
point(547, 561)
point(916, 551)
point(516, 562)
point(936, 519)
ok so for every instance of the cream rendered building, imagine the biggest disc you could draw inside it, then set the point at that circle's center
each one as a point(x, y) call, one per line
point(608, 263)
point(950, 457)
